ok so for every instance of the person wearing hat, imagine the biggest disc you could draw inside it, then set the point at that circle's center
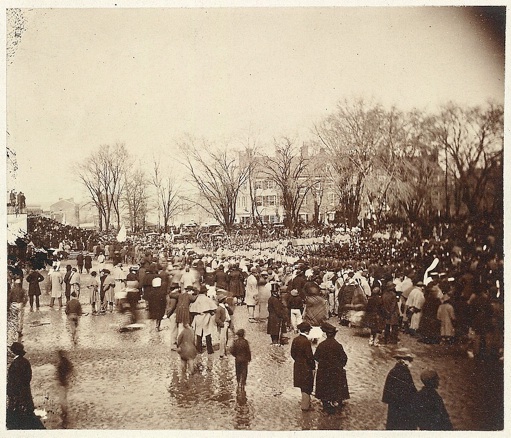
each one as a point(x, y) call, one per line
point(331, 381)
point(414, 305)
point(132, 292)
point(73, 312)
point(263, 295)
point(295, 303)
point(251, 297)
point(106, 290)
point(157, 302)
point(446, 316)
point(87, 262)
point(222, 320)
point(304, 364)
point(240, 349)
point(276, 316)
point(55, 279)
point(390, 313)
point(398, 393)
point(429, 408)
point(34, 290)
point(203, 323)
point(20, 404)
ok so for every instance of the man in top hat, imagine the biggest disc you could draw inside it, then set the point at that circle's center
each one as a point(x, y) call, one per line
point(304, 366)
point(331, 382)
point(399, 392)
point(428, 405)
point(20, 404)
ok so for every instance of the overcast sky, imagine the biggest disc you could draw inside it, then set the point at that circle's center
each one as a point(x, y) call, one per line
point(80, 78)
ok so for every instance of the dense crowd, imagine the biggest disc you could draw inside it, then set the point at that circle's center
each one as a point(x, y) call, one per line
point(444, 289)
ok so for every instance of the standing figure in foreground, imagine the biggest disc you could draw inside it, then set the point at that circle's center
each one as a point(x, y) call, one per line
point(33, 279)
point(73, 312)
point(56, 279)
point(276, 317)
point(331, 382)
point(304, 366)
point(186, 350)
point(429, 408)
point(20, 405)
point(241, 351)
point(399, 392)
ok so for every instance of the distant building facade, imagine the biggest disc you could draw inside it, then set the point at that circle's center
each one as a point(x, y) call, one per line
point(66, 211)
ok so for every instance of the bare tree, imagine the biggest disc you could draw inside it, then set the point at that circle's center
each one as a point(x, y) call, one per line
point(473, 143)
point(103, 175)
point(353, 136)
point(218, 177)
point(167, 194)
point(136, 198)
point(289, 169)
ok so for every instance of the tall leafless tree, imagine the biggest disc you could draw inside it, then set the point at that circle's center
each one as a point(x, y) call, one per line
point(167, 193)
point(217, 176)
point(103, 175)
point(473, 141)
point(136, 198)
point(289, 169)
point(353, 135)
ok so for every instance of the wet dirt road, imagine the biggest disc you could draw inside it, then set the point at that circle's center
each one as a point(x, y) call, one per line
point(133, 381)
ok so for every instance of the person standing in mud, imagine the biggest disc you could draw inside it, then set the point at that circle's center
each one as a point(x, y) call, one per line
point(399, 392)
point(34, 278)
point(240, 349)
point(304, 366)
point(64, 370)
point(20, 404)
point(331, 381)
point(429, 408)
point(73, 312)
point(87, 262)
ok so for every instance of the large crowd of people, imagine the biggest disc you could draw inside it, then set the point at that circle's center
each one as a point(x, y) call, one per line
point(443, 288)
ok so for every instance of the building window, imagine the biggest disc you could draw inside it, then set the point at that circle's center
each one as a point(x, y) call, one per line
point(259, 185)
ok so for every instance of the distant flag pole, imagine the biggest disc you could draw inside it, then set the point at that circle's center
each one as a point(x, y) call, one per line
point(121, 236)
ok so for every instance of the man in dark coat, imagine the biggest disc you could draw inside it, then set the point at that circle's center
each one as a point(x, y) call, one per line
point(87, 262)
point(391, 313)
point(331, 382)
point(33, 279)
point(276, 317)
point(20, 405)
point(241, 351)
point(79, 262)
point(398, 393)
point(304, 366)
point(429, 408)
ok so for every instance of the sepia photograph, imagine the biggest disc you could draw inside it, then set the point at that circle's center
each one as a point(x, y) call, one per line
point(243, 216)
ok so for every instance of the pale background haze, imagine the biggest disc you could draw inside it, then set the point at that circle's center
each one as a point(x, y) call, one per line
point(85, 77)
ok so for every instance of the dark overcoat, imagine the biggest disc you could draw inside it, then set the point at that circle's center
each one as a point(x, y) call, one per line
point(276, 315)
point(87, 262)
point(398, 393)
point(430, 410)
point(157, 301)
point(301, 352)
point(19, 377)
point(236, 283)
point(331, 382)
point(33, 279)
